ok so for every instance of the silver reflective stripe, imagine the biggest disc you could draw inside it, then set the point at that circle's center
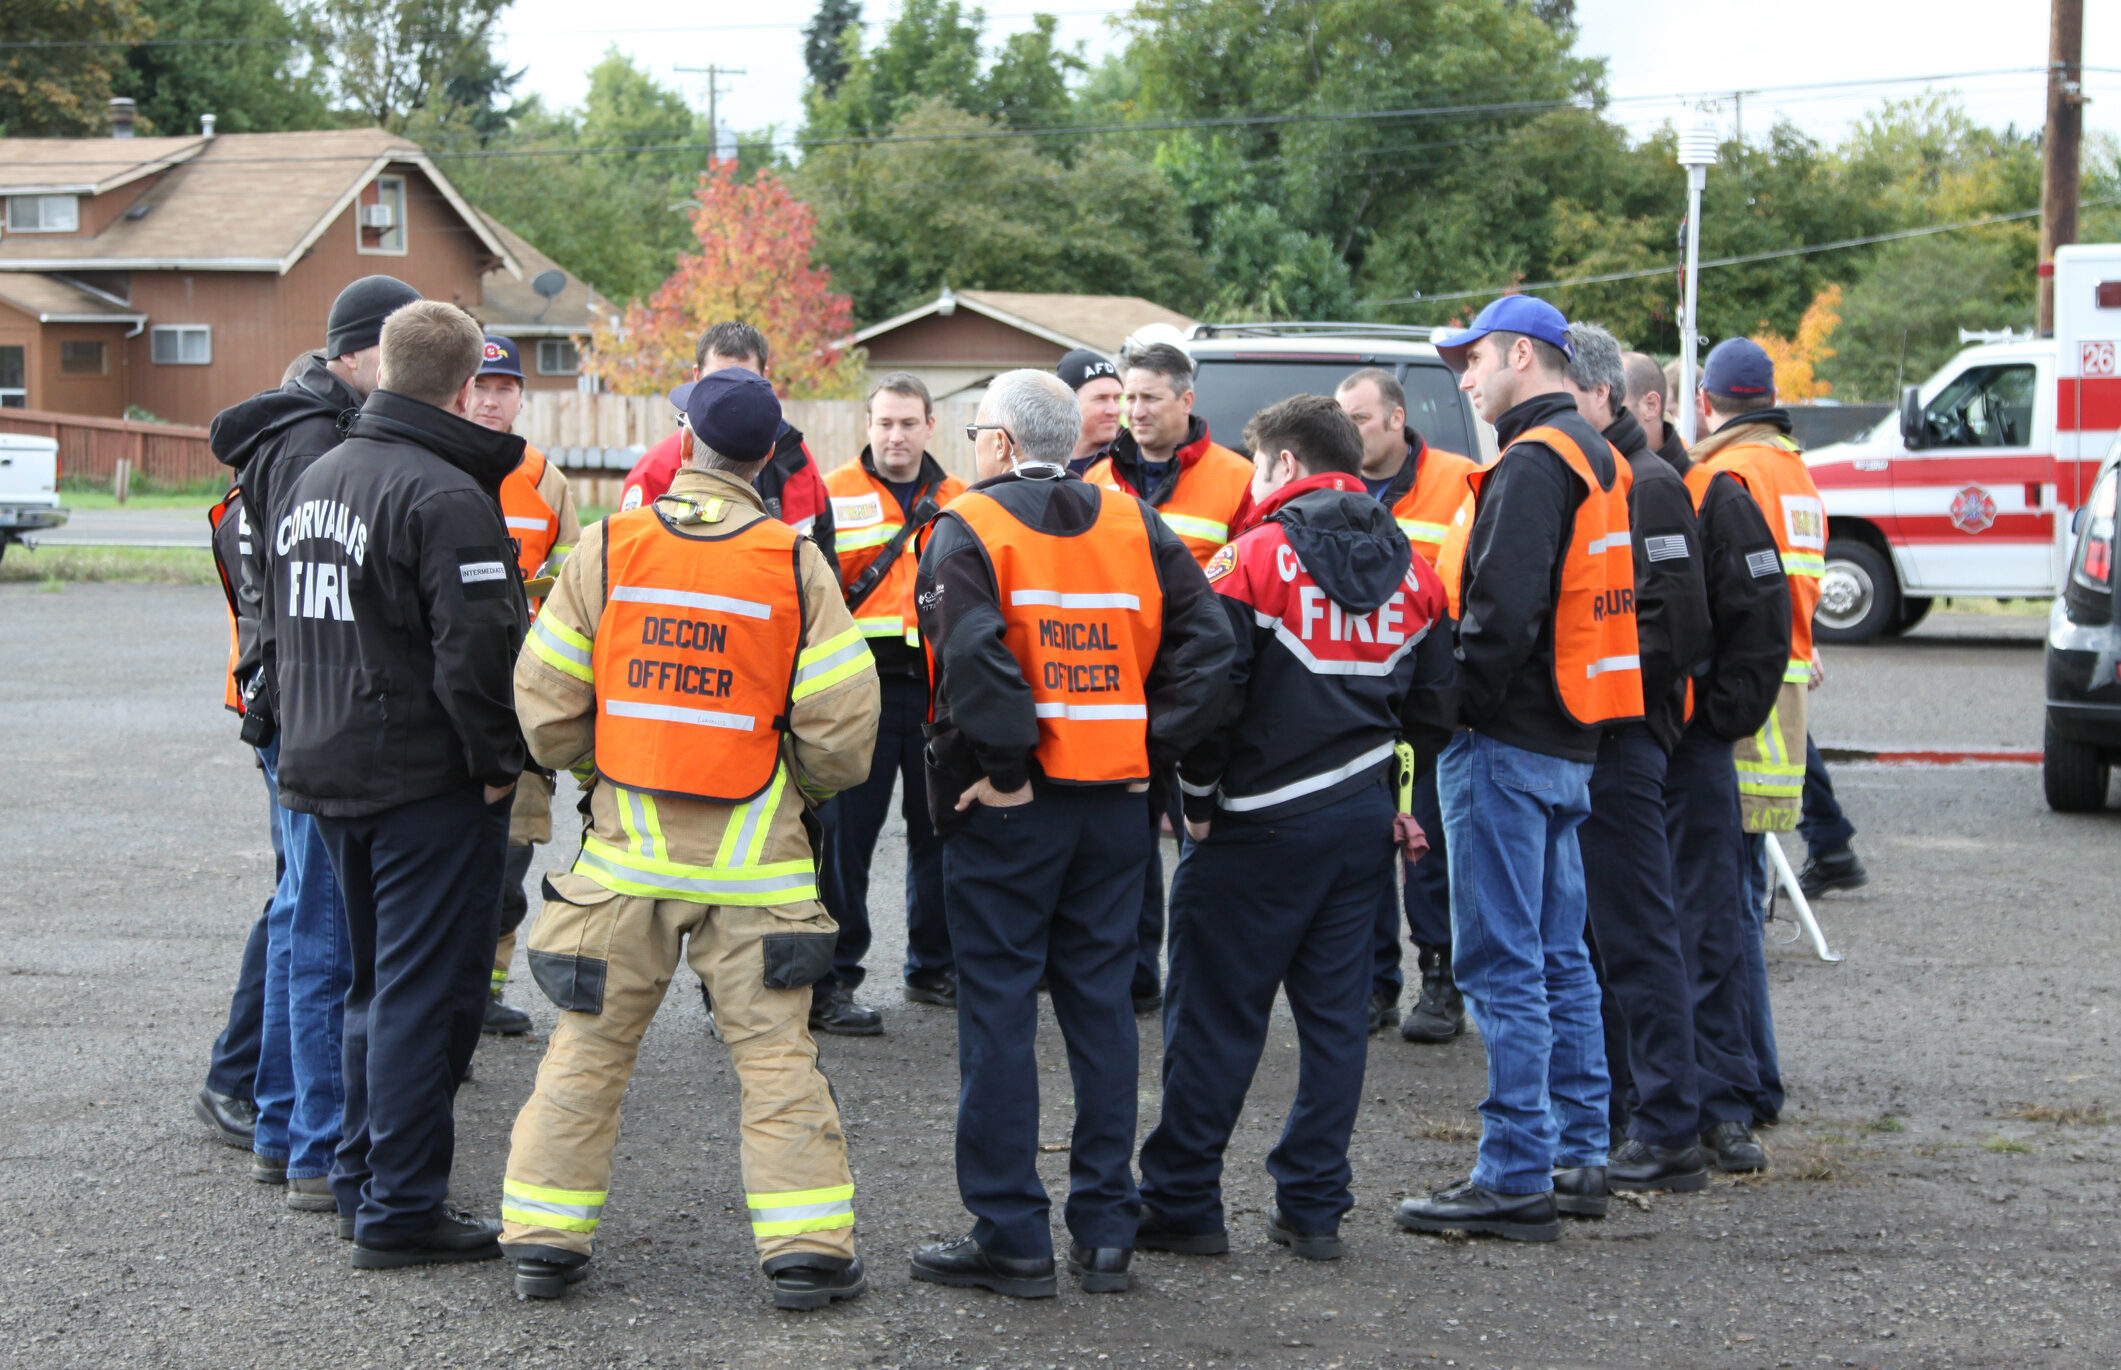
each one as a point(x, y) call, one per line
point(1088, 713)
point(796, 1213)
point(763, 884)
point(686, 599)
point(1197, 791)
point(1310, 784)
point(525, 523)
point(1612, 663)
point(1318, 665)
point(559, 646)
point(587, 1212)
point(1059, 599)
point(637, 815)
point(856, 648)
point(671, 713)
point(1607, 543)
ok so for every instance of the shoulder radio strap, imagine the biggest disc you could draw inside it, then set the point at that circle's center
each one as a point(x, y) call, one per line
point(924, 511)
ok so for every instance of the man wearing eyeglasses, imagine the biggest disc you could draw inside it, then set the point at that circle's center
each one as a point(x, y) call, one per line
point(1075, 646)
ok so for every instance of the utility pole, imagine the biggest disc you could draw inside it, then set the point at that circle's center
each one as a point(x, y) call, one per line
point(2059, 146)
point(713, 73)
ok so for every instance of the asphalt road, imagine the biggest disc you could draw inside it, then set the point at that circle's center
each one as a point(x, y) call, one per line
point(130, 528)
point(1943, 1187)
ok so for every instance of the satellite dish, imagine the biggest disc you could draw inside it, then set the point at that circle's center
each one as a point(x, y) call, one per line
point(549, 284)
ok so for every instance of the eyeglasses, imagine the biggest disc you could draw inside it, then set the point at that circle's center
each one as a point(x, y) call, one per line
point(973, 430)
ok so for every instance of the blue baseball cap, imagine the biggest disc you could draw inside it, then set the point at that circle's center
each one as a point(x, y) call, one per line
point(501, 358)
point(1739, 369)
point(1510, 314)
point(733, 411)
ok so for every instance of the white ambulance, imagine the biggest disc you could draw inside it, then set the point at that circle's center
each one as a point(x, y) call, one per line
point(1968, 491)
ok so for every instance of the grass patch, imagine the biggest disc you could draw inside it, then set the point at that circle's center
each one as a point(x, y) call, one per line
point(1885, 1122)
point(103, 499)
point(586, 514)
point(54, 566)
point(2009, 1146)
point(2062, 1115)
point(91, 492)
point(1445, 1130)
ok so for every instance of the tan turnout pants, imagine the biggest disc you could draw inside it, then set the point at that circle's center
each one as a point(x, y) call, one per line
point(614, 953)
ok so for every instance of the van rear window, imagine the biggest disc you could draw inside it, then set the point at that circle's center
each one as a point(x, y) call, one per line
point(1228, 391)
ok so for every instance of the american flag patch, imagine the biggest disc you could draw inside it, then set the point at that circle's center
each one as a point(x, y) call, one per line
point(1763, 563)
point(1667, 547)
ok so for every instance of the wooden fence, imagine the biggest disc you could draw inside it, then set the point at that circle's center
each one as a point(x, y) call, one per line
point(596, 439)
point(90, 448)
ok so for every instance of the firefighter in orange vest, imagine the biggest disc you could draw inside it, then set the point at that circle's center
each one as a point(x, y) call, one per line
point(696, 664)
point(880, 503)
point(1203, 493)
point(1423, 486)
point(1547, 656)
point(537, 504)
point(1074, 646)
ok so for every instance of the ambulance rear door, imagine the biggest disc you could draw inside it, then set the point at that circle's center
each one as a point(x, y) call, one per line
point(2088, 366)
point(1974, 499)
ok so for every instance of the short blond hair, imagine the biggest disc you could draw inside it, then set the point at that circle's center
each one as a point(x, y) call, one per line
point(430, 349)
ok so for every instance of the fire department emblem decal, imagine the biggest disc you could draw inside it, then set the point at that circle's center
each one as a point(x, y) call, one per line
point(1973, 510)
point(1222, 563)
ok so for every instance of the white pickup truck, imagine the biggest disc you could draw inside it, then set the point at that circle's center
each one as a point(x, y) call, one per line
point(29, 487)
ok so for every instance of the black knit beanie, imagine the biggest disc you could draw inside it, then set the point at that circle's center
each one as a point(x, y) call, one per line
point(357, 316)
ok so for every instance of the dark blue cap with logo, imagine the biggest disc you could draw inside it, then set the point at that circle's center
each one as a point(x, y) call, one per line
point(501, 358)
point(1739, 369)
point(733, 411)
point(1510, 314)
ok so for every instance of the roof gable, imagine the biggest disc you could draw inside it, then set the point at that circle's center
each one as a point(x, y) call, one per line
point(1101, 323)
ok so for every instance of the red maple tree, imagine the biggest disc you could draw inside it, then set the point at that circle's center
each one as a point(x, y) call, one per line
point(753, 264)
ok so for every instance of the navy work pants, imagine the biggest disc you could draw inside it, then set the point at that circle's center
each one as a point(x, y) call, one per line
point(1823, 826)
point(1241, 929)
point(422, 884)
point(857, 816)
point(1149, 928)
point(1425, 895)
point(232, 1068)
point(1051, 888)
point(1709, 892)
point(1636, 943)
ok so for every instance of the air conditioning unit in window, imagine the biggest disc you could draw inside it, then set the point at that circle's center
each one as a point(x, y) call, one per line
point(377, 216)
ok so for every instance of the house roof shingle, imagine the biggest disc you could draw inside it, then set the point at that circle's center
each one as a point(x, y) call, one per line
point(509, 306)
point(1099, 322)
point(54, 299)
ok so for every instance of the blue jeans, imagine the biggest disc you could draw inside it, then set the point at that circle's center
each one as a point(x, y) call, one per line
point(233, 1067)
point(1518, 955)
point(300, 1094)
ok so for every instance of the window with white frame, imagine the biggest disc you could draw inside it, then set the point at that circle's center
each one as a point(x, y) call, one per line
point(379, 216)
point(14, 377)
point(558, 357)
point(184, 344)
point(43, 214)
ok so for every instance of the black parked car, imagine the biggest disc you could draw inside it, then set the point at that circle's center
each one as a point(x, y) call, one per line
point(2082, 739)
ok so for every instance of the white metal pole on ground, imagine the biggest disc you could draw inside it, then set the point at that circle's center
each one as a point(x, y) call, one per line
point(1788, 880)
point(1697, 153)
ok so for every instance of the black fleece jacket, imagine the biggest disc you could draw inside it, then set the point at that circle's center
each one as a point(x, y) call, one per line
point(268, 441)
point(1512, 577)
point(983, 723)
point(1671, 600)
point(399, 610)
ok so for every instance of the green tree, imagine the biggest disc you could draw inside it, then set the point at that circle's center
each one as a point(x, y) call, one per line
point(1901, 319)
point(824, 42)
point(415, 66)
point(58, 62)
point(1271, 271)
point(1027, 86)
point(258, 86)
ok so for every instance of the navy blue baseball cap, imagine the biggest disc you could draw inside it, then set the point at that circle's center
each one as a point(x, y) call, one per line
point(501, 358)
point(1510, 314)
point(733, 411)
point(1738, 369)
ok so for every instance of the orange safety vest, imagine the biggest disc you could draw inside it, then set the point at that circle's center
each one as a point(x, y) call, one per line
point(1451, 553)
point(534, 524)
point(1204, 502)
point(231, 697)
point(1083, 616)
point(865, 518)
point(1597, 659)
point(695, 656)
point(1775, 475)
point(1424, 512)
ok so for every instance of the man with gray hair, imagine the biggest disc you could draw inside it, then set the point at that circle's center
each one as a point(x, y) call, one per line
point(1076, 649)
point(1633, 926)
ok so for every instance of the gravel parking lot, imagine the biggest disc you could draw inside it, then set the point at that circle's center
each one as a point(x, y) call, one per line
point(1942, 1194)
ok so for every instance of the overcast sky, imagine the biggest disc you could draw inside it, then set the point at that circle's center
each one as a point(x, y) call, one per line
point(1657, 50)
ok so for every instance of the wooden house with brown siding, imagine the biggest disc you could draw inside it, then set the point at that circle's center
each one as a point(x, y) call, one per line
point(180, 275)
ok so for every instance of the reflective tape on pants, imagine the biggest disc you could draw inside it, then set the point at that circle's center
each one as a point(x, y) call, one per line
point(801, 1210)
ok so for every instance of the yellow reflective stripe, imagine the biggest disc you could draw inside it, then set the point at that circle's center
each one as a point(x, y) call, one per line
point(500, 978)
point(1798, 672)
point(637, 818)
point(830, 662)
point(1417, 531)
point(791, 1227)
point(913, 636)
point(1804, 564)
point(801, 1210)
point(561, 648)
point(844, 542)
point(1186, 526)
point(623, 872)
point(744, 839)
point(563, 1210)
point(880, 627)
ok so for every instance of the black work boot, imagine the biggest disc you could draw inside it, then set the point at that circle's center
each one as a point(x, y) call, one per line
point(1639, 1166)
point(456, 1236)
point(1470, 1207)
point(1834, 870)
point(833, 1010)
point(963, 1265)
point(1440, 1013)
point(544, 1272)
point(233, 1121)
point(1155, 1233)
point(811, 1279)
point(504, 1018)
point(1384, 1009)
point(1735, 1150)
point(938, 987)
point(1580, 1191)
point(1312, 1246)
point(1101, 1270)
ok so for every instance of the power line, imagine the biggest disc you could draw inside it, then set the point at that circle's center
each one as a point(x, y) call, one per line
point(1741, 259)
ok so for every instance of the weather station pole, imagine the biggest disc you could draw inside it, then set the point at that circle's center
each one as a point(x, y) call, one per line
point(1697, 153)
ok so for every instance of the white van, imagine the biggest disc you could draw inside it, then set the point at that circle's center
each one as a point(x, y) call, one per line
point(29, 486)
